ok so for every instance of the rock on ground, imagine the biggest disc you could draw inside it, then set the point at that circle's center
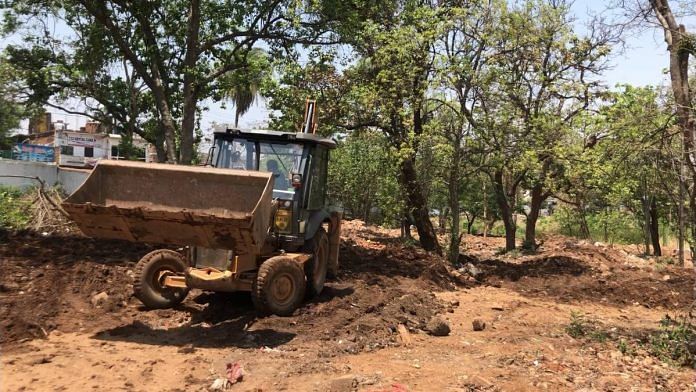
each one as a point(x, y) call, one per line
point(478, 324)
point(438, 327)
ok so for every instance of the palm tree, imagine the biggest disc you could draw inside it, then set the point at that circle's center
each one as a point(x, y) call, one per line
point(242, 85)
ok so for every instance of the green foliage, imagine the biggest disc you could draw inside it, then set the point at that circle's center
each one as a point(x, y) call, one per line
point(362, 179)
point(582, 327)
point(11, 109)
point(242, 86)
point(613, 226)
point(318, 79)
point(14, 208)
point(174, 55)
point(625, 347)
point(577, 327)
point(674, 342)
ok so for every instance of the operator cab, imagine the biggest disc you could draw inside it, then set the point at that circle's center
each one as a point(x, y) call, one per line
point(298, 162)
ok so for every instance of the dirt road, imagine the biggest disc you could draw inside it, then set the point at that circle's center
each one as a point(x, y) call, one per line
point(69, 323)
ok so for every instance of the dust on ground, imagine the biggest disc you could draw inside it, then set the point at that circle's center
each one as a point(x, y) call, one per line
point(69, 321)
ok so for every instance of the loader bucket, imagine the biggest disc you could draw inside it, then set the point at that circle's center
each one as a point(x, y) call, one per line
point(175, 205)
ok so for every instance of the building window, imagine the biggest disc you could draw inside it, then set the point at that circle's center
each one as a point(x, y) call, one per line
point(67, 150)
point(114, 152)
point(89, 152)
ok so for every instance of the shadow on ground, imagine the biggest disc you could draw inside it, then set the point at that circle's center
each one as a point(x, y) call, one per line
point(223, 321)
point(538, 267)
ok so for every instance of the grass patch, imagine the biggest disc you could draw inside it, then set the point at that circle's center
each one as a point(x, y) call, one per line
point(673, 343)
point(14, 208)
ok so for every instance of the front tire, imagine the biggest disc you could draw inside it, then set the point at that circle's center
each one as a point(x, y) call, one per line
point(148, 273)
point(318, 265)
point(279, 287)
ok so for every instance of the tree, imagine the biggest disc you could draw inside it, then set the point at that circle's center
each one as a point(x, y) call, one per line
point(11, 111)
point(547, 75)
point(383, 89)
point(390, 85)
point(180, 49)
point(619, 164)
point(681, 45)
point(362, 179)
point(243, 86)
point(318, 79)
point(463, 49)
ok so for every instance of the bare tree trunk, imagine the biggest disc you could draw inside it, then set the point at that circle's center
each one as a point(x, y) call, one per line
point(505, 209)
point(418, 205)
point(655, 228)
point(584, 228)
point(680, 45)
point(190, 89)
point(470, 224)
point(453, 198)
point(406, 226)
point(645, 203)
point(532, 217)
point(159, 148)
point(486, 226)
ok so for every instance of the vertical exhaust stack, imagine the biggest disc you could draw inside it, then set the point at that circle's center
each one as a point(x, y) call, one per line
point(310, 118)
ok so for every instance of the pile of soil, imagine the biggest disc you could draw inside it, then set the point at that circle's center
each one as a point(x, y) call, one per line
point(72, 283)
point(569, 271)
point(49, 281)
point(370, 252)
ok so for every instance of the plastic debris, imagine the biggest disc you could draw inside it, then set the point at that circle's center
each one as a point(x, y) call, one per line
point(235, 373)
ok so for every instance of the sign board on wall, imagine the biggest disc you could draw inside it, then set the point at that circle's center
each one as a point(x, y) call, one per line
point(81, 140)
point(33, 152)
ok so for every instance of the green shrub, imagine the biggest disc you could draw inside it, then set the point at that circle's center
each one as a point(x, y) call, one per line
point(671, 343)
point(582, 327)
point(578, 326)
point(14, 208)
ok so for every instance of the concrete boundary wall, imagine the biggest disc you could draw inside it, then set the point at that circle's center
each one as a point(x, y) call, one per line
point(50, 173)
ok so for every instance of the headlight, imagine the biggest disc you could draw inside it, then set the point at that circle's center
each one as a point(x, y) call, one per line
point(282, 220)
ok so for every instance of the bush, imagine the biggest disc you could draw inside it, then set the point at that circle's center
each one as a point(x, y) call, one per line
point(581, 327)
point(672, 342)
point(617, 226)
point(14, 208)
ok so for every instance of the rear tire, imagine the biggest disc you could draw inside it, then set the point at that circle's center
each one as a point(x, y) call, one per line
point(317, 267)
point(279, 286)
point(147, 287)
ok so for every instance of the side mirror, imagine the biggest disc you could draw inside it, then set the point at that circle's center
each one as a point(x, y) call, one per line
point(297, 180)
point(209, 158)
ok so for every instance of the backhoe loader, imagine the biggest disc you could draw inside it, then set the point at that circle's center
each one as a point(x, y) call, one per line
point(255, 219)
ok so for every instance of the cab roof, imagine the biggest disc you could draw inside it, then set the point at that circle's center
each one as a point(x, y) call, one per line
point(265, 134)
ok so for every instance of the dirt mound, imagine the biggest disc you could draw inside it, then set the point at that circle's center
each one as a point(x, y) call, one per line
point(74, 283)
point(48, 282)
point(537, 267)
point(572, 271)
point(363, 320)
point(369, 252)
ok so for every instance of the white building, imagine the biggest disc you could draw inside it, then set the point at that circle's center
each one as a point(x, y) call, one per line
point(83, 149)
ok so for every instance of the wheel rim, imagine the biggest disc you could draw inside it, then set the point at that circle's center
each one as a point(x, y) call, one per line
point(282, 289)
point(158, 279)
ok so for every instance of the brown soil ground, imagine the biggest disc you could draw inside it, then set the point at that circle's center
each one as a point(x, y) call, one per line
point(54, 338)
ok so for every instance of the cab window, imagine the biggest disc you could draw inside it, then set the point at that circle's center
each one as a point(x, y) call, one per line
point(317, 185)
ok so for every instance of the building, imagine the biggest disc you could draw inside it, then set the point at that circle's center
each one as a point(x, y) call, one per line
point(75, 148)
point(83, 149)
